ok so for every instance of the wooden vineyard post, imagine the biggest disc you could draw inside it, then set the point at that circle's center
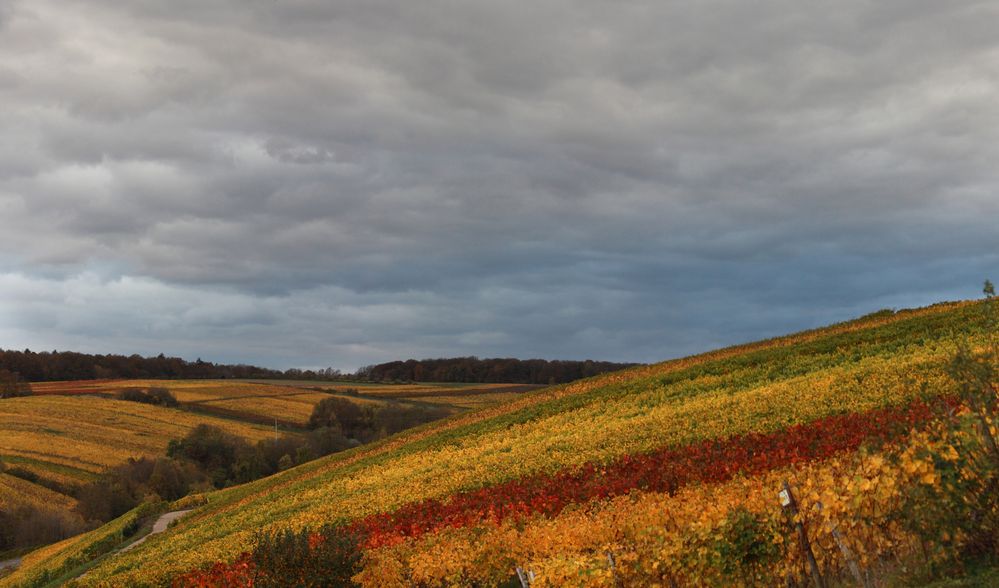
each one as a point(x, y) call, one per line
point(525, 577)
point(613, 567)
point(790, 506)
point(851, 560)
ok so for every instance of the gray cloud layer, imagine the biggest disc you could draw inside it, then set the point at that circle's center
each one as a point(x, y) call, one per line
point(337, 183)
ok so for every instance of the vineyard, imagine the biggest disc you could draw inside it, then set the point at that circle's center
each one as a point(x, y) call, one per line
point(68, 433)
point(66, 441)
point(291, 402)
point(16, 492)
point(456, 396)
point(659, 475)
point(92, 434)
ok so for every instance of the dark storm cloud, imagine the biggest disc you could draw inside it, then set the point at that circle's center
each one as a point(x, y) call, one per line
point(312, 183)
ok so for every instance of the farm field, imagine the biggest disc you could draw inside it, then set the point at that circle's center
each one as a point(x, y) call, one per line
point(291, 402)
point(448, 394)
point(557, 479)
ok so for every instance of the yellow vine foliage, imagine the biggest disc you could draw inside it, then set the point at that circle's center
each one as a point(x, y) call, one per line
point(16, 493)
point(92, 434)
point(661, 540)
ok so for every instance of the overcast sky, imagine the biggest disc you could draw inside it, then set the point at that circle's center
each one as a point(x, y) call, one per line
point(337, 183)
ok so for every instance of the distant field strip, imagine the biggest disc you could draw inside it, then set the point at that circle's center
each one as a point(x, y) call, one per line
point(16, 493)
point(459, 397)
point(291, 403)
point(75, 387)
point(92, 434)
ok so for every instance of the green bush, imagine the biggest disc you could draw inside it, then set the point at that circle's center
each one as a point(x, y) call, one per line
point(746, 546)
point(157, 396)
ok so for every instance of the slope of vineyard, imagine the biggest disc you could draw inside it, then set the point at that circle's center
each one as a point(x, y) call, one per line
point(291, 402)
point(452, 395)
point(16, 492)
point(67, 440)
point(648, 465)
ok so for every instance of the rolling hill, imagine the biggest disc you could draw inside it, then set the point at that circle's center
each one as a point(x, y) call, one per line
point(68, 432)
point(289, 402)
point(65, 440)
point(663, 474)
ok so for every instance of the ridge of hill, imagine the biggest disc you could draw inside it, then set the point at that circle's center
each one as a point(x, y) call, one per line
point(435, 504)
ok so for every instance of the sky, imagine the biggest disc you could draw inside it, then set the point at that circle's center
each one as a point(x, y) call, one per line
point(312, 183)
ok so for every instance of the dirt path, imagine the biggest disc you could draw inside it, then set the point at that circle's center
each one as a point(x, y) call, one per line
point(10, 563)
point(159, 526)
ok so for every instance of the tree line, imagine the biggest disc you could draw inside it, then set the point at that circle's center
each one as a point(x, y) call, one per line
point(496, 370)
point(48, 366)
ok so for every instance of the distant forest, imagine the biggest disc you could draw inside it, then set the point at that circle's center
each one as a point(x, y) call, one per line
point(498, 370)
point(46, 366)
point(49, 366)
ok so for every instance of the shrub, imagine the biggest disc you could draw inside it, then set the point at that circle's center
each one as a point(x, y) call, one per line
point(132, 395)
point(157, 396)
point(162, 397)
point(745, 546)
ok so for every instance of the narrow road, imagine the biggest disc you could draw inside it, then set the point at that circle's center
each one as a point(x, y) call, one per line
point(159, 526)
point(10, 563)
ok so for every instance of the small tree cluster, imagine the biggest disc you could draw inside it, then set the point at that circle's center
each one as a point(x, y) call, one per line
point(365, 423)
point(226, 459)
point(157, 396)
point(29, 526)
point(124, 487)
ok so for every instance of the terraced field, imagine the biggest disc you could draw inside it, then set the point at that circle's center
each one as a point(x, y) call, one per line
point(557, 479)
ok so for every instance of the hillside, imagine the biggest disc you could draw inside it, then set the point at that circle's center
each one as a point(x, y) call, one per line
point(66, 441)
point(74, 439)
point(649, 469)
point(289, 402)
point(69, 432)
